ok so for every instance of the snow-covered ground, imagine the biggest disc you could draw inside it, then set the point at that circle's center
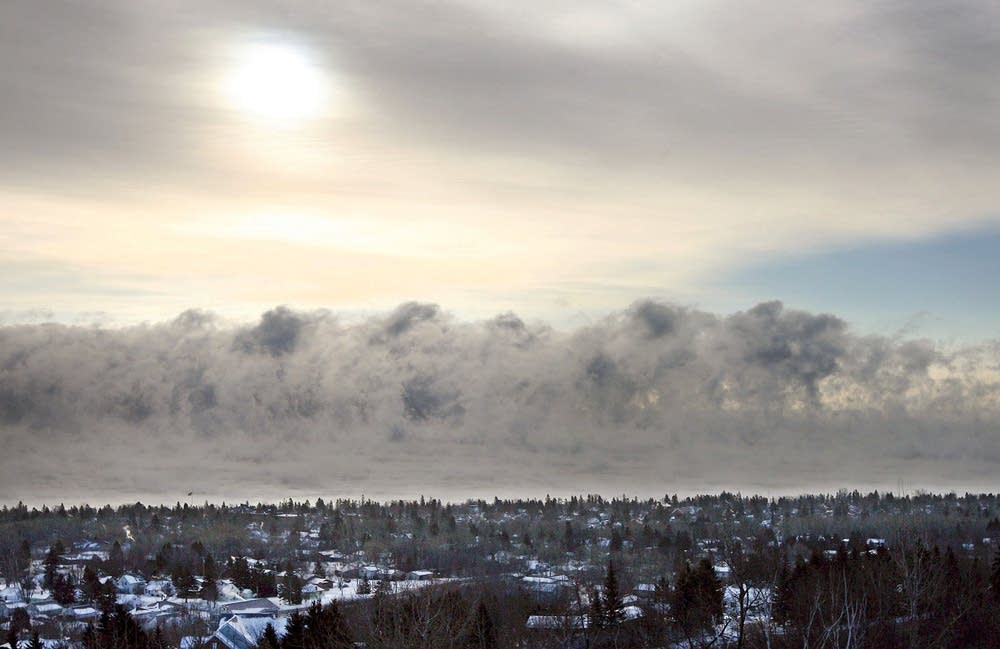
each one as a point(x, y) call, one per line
point(350, 590)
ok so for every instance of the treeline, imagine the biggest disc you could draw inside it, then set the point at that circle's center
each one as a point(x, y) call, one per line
point(803, 505)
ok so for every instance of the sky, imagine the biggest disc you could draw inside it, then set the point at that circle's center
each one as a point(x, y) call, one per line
point(202, 171)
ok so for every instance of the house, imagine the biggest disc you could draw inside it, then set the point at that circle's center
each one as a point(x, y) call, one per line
point(630, 613)
point(556, 622)
point(159, 587)
point(347, 572)
point(322, 583)
point(84, 557)
point(131, 585)
point(546, 590)
point(244, 633)
point(45, 608)
point(312, 592)
point(258, 607)
point(332, 555)
point(420, 575)
point(152, 615)
point(81, 613)
point(645, 591)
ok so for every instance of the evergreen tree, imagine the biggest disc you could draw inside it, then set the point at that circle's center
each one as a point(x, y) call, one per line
point(616, 542)
point(569, 539)
point(63, 590)
point(995, 576)
point(90, 585)
point(783, 595)
point(697, 598)
point(36, 641)
point(19, 620)
point(23, 556)
point(117, 629)
point(52, 559)
point(12, 636)
point(291, 588)
point(158, 642)
point(596, 610)
point(183, 581)
point(326, 628)
point(269, 639)
point(612, 606)
point(710, 590)
point(295, 632)
point(115, 564)
point(209, 585)
point(364, 587)
point(89, 638)
point(107, 595)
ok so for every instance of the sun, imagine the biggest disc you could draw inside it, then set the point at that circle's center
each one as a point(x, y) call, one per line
point(277, 82)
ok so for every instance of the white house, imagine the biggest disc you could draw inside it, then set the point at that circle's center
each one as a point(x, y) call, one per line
point(420, 575)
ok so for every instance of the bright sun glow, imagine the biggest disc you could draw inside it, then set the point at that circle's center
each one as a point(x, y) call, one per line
point(278, 83)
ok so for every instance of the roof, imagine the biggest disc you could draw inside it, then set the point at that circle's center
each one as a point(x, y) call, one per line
point(243, 633)
point(48, 607)
point(82, 611)
point(631, 613)
point(554, 622)
point(260, 604)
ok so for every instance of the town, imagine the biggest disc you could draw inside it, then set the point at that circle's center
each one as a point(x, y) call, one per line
point(838, 570)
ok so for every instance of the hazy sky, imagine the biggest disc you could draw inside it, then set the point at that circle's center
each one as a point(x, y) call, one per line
point(560, 160)
point(631, 185)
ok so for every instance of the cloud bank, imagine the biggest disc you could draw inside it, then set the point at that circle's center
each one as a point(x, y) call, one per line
point(652, 398)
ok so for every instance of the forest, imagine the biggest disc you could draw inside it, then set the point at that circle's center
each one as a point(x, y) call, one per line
point(839, 570)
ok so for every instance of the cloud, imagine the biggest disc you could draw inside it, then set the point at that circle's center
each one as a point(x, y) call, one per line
point(276, 334)
point(581, 153)
point(654, 394)
point(406, 316)
point(854, 102)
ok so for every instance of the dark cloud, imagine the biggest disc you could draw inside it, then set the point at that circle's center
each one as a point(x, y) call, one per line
point(799, 348)
point(657, 318)
point(277, 333)
point(651, 392)
point(406, 316)
point(423, 400)
point(509, 321)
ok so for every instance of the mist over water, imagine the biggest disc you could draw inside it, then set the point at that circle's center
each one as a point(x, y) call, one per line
point(653, 399)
